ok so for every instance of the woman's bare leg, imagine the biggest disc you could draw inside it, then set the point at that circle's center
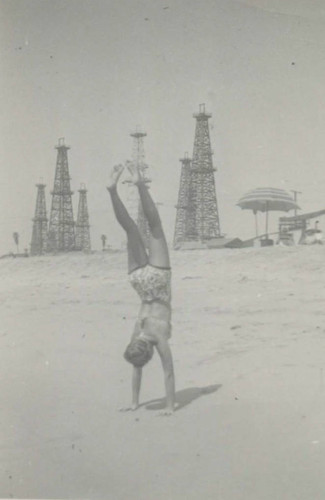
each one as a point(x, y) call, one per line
point(137, 255)
point(158, 248)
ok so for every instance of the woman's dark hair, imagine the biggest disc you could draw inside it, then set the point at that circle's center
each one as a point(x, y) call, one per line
point(138, 352)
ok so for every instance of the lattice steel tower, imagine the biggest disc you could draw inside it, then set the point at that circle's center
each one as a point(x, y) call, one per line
point(134, 204)
point(82, 224)
point(202, 214)
point(39, 234)
point(180, 234)
point(61, 236)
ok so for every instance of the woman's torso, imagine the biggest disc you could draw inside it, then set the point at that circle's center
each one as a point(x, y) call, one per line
point(153, 285)
point(155, 310)
point(154, 321)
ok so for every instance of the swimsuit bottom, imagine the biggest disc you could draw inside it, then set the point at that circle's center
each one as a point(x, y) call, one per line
point(152, 283)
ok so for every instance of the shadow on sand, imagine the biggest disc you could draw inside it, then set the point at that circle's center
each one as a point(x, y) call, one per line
point(183, 397)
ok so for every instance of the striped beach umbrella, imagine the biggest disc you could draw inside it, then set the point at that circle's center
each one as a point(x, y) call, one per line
point(266, 200)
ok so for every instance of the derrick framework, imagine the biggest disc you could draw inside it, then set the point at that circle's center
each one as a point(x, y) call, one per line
point(182, 203)
point(134, 203)
point(61, 235)
point(39, 233)
point(82, 224)
point(198, 195)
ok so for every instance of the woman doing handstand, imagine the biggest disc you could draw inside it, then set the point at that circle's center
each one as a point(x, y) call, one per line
point(150, 275)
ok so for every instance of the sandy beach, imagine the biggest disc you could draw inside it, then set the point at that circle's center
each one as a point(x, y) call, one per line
point(248, 345)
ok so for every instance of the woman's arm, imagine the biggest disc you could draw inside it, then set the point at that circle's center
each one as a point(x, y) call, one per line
point(168, 368)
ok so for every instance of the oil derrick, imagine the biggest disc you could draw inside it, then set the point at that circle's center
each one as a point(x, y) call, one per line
point(180, 234)
point(61, 236)
point(39, 234)
point(202, 213)
point(135, 207)
point(82, 224)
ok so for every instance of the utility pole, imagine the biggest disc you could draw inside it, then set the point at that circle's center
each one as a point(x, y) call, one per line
point(295, 193)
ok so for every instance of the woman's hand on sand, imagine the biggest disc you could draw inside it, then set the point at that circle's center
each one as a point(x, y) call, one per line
point(128, 408)
point(168, 412)
point(114, 175)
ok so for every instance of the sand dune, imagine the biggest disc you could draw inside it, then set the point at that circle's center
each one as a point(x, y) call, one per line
point(248, 344)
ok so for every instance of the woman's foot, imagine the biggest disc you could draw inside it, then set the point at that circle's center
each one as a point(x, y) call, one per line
point(134, 170)
point(114, 176)
point(167, 412)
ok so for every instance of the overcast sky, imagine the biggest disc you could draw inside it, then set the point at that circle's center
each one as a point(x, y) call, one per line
point(91, 71)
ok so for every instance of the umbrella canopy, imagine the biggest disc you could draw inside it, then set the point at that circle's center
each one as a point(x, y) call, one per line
point(266, 199)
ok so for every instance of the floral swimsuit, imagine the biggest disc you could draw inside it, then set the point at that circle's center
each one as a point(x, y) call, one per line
point(152, 283)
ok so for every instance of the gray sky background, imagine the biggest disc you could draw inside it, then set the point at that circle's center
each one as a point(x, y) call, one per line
point(90, 71)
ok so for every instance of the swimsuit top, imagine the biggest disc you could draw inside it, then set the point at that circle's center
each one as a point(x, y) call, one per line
point(152, 329)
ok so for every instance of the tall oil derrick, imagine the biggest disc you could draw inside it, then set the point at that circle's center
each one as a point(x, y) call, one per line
point(39, 234)
point(203, 218)
point(135, 207)
point(61, 236)
point(180, 234)
point(82, 224)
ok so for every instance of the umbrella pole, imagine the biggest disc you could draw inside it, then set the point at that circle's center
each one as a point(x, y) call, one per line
point(267, 222)
point(256, 226)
